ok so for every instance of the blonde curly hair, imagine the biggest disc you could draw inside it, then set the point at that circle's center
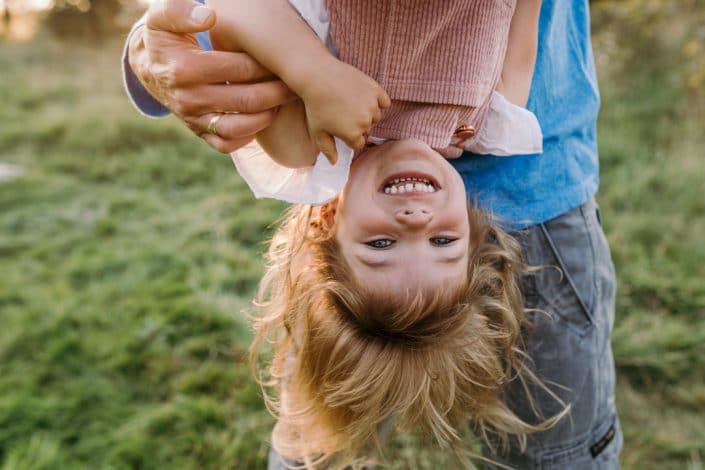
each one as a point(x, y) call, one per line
point(344, 360)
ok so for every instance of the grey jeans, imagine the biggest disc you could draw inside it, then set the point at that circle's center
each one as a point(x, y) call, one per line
point(571, 307)
point(570, 303)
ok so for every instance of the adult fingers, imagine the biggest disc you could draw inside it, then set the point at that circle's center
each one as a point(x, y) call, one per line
point(232, 126)
point(231, 98)
point(326, 144)
point(226, 145)
point(179, 16)
point(220, 67)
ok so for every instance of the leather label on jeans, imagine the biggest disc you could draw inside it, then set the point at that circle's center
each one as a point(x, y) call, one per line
point(600, 445)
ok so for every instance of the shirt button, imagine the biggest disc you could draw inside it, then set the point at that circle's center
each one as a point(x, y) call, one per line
point(465, 132)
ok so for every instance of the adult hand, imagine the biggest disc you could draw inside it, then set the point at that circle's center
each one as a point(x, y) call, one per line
point(197, 85)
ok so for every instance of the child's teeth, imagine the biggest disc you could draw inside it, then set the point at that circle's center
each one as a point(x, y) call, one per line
point(408, 185)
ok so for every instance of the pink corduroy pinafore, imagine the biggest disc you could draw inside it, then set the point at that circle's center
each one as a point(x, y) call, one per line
point(439, 61)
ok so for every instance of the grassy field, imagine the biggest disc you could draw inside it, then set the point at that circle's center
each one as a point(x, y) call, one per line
point(128, 249)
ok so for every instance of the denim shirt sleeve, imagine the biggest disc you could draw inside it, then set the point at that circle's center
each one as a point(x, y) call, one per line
point(139, 96)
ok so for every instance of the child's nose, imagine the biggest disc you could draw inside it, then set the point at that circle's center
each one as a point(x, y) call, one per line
point(414, 218)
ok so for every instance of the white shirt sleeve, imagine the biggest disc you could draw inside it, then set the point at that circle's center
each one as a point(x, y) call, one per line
point(317, 184)
point(508, 130)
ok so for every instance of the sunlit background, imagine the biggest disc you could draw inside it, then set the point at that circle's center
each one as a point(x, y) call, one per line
point(21, 18)
point(19, 5)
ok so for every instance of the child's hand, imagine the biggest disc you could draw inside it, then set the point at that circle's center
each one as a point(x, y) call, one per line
point(342, 102)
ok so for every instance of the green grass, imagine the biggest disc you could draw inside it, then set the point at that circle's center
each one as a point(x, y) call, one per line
point(128, 250)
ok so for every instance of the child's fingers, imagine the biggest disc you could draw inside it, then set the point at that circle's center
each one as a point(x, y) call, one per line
point(383, 100)
point(326, 144)
point(376, 116)
point(356, 140)
point(451, 152)
point(358, 143)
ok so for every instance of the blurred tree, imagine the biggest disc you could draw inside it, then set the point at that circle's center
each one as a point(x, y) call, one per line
point(660, 34)
point(6, 17)
point(90, 18)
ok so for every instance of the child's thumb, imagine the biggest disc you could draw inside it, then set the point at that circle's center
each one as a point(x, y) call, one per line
point(383, 100)
point(326, 144)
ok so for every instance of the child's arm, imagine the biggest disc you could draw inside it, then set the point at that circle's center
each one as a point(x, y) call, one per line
point(521, 52)
point(287, 140)
point(338, 99)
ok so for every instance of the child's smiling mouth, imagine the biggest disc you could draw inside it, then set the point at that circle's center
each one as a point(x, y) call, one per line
point(410, 183)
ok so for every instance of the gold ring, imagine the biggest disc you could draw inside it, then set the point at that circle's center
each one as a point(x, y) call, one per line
point(214, 122)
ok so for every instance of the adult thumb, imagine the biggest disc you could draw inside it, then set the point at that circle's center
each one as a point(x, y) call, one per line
point(179, 16)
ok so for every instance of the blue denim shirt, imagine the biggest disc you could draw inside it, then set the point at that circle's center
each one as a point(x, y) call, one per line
point(529, 189)
point(524, 190)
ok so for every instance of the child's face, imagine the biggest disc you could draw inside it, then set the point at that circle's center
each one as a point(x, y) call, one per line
point(394, 238)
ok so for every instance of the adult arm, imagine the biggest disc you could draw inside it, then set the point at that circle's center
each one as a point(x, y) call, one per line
point(166, 69)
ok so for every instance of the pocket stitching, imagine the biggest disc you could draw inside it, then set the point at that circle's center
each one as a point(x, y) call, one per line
point(591, 227)
point(566, 273)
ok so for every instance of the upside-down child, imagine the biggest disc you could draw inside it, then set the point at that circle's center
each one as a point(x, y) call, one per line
point(396, 299)
point(458, 73)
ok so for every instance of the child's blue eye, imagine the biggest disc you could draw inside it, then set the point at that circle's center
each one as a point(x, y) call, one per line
point(381, 243)
point(440, 241)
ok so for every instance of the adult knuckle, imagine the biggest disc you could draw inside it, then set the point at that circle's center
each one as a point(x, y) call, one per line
point(247, 99)
point(243, 67)
point(176, 71)
point(221, 146)
point(177, 108)
point(162, 73)
point(155, 69)
point(225, 126)
point(181, 102)
point(193, 125)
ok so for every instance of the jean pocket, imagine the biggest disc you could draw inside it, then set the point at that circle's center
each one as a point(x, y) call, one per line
point(565, 254)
